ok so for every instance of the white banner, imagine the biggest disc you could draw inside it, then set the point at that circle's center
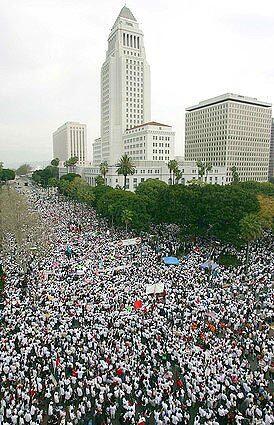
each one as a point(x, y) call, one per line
point(127, 242)
point(155, 288)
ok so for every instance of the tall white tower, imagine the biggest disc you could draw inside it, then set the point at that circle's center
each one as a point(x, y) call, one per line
point(125, 85)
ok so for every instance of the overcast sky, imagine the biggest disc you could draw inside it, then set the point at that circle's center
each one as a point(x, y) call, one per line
point(51, 52)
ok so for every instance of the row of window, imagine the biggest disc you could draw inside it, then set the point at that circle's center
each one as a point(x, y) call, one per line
point(130, 40)
point(160, 138)
point(161, 151)
point(161, 145)
point(131, 53)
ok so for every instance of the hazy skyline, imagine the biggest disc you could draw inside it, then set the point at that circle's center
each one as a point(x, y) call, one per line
point(51, 53)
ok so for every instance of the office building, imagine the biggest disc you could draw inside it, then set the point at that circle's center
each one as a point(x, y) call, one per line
point(230, 130)
point(70, 140)
point(271, 153)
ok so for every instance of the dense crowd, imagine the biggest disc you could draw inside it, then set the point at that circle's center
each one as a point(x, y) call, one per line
point(82, 342)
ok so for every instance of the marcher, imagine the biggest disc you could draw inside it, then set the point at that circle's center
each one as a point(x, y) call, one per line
point(75, 350)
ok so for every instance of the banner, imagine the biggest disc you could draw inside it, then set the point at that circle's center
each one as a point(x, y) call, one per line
point(127, 242)
point(155, 288)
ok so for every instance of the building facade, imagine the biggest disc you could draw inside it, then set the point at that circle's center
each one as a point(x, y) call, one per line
point(230, 130)
point(271, 153)
point(150, 141)
point(125, 85)
point(70, 140)
point(145, 170)
point(97, 151)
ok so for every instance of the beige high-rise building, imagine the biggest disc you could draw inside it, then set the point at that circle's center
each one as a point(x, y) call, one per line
point(230, 130)
point(125, 85)
point(70, 140)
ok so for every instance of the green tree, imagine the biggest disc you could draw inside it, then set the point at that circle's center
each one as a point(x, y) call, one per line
point(196, 182)
point(251, 229)
point(6, 174)
point(127, 217)
point(67, 165)
point(70, 176)
point(178, 175)
point(85, 194)
point(112, 202)
point(151, 190)
point(55, 162)
point(266, 212)
point(45, 175)
point(63, 186)
point(210, 211)
point(172, 166)
point(264, 188)
point(111, 213)
point(52, 182)
point(23, 170)
point(104, 169)
point(72, 162)
point(201, 169)
point(125, 167)
point(79, 190)
point(74, 186)
point(208, 168)
point(235, 175)
point(99, 180)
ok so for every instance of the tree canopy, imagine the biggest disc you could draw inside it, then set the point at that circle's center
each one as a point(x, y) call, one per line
point(46, 175)
point(23, 170)
point(6, 174)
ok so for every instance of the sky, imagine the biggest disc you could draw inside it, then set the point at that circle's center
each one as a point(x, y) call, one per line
point(51, 52)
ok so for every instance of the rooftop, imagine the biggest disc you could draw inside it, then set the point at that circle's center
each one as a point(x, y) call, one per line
point(229, 96)
point(158, 124)
point(126, 13)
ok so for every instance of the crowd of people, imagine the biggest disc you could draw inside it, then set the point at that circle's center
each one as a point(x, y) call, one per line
point(83, 343)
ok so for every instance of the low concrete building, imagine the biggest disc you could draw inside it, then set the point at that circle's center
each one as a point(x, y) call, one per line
point(150, 170)
point(151, 141)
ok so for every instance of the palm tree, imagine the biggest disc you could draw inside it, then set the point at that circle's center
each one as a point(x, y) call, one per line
point(235, 175)
point(67, 165)
point(104, 169)
point(201, 169)
point(125, 167)
point(178, 175)
point(55, 162)
point(127, 217)
point(208, 167)
point(173, 166)
point(251, 229)
point(72, 162)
